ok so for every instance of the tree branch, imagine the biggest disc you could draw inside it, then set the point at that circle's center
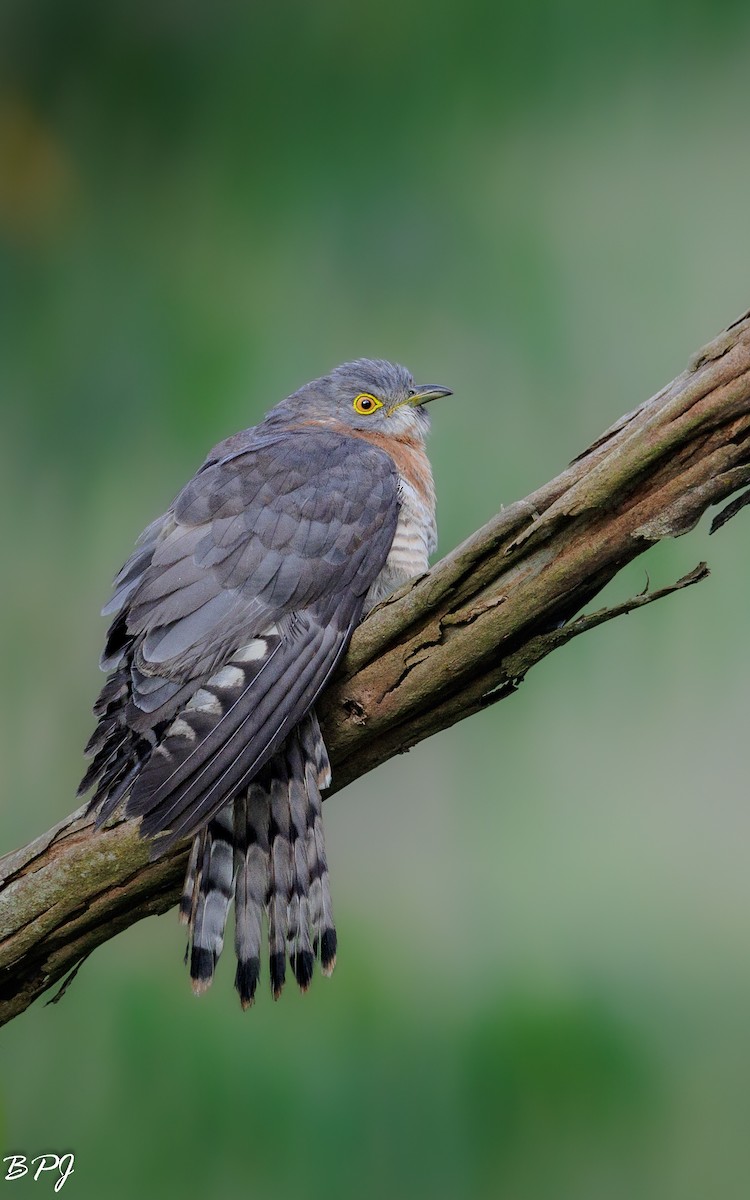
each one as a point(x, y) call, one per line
point(453, 642)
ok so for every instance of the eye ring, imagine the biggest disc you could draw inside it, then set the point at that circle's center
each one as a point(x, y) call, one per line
point(365, 404)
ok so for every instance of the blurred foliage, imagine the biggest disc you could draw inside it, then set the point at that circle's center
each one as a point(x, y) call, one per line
point(543, 980)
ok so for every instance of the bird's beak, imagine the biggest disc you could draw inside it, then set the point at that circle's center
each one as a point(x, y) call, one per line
point(428, 392)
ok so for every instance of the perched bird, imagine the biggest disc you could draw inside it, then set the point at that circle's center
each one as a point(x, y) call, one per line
point(228, 620)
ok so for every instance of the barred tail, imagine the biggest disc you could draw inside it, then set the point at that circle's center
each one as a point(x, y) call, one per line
point(268, 848)
point(280, 874)
point(210, 905)
point(318, 775)
point(250, 888)
point(299, 943)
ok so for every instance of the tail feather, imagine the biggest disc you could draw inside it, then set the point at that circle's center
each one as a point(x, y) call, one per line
point(314, 750)
point(250, 888)
point(214, 896)
point(318, 776)
point(321, 908)
point(267, 847)
point(280, 881)
point(298, 935)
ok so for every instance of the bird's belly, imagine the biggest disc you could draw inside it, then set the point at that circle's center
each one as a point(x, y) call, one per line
point(414, 541)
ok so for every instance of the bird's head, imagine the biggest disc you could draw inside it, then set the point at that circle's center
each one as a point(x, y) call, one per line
point(368, 394)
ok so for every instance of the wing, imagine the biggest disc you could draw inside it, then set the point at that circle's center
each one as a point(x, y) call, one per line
point(231, 615)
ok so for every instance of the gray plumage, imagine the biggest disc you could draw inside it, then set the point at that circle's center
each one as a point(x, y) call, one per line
point(213, 897)
point(251, 823)
point(228, 620)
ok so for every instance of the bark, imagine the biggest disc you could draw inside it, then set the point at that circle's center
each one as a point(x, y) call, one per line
point(450, 643)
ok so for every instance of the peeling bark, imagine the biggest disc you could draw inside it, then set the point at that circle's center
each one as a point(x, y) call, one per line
point(456, 640)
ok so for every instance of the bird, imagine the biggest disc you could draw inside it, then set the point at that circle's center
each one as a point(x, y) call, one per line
point(227, 621)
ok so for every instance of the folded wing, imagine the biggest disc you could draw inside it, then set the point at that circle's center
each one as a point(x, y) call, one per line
point(231, 615)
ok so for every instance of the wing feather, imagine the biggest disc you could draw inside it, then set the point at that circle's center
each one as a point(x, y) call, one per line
point(231, 615)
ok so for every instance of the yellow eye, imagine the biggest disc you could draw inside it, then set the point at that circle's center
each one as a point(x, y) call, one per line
point(366, 404)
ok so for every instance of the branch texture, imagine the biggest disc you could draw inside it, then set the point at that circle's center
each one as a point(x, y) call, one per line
point(447, 645)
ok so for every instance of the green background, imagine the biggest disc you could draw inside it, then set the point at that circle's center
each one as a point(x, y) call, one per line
point(543, 982)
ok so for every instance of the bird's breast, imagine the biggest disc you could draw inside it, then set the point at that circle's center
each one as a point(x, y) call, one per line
point(415, 538)
point(414, 541)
